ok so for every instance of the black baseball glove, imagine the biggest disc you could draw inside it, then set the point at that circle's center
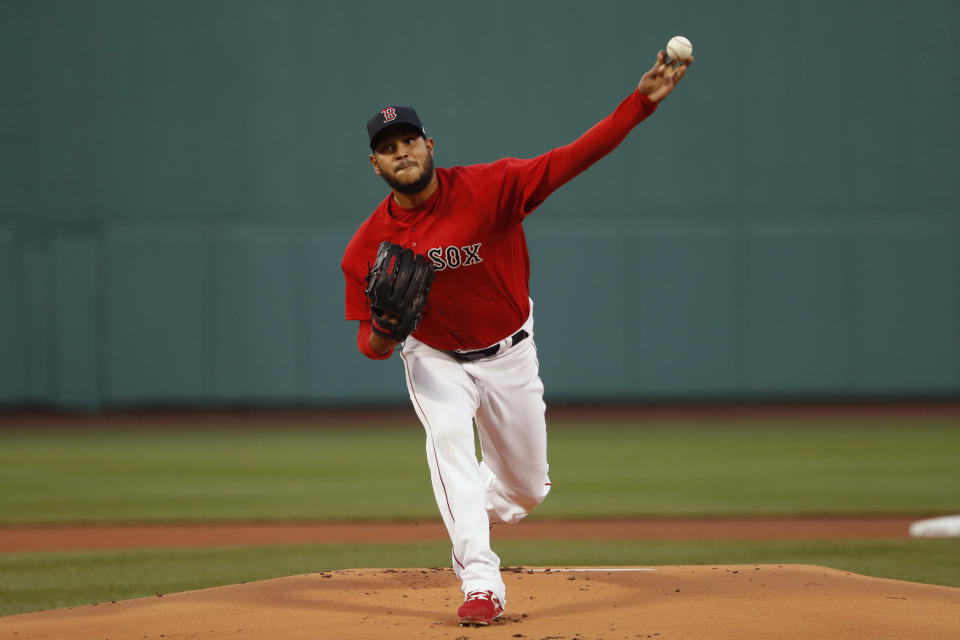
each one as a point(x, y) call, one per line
point(398, 284)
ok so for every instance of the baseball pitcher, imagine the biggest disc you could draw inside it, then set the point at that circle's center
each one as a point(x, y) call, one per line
point(441, 270)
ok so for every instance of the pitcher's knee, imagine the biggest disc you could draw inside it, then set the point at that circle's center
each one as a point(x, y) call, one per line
point(510, 502)
point(528, 492)
point(533, 496)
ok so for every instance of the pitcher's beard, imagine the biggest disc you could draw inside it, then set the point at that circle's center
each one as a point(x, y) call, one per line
point(418, 185)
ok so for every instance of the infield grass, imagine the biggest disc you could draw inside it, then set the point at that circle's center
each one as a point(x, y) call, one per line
point(48, 580)
point(359, 472)
point(364, 472)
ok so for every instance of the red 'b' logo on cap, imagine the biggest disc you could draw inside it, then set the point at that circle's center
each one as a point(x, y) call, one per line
point(389, 114)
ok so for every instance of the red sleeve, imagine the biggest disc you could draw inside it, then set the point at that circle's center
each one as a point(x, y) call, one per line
point(363, 343)
point(355, 263)
point(354, 267)
point(538, 177)
point(356, 305)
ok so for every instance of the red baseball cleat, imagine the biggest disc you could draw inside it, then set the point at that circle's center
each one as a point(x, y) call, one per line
point(479, 609)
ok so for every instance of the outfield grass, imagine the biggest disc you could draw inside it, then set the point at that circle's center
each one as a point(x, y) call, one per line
point(34, 581)
point(358, 472)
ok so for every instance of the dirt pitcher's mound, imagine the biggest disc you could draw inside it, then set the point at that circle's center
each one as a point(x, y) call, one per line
point(749, 601)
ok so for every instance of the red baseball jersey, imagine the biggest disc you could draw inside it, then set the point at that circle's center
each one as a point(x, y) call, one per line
point(470, 230)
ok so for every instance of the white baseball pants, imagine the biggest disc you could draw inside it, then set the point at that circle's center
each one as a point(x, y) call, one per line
point(504, 394)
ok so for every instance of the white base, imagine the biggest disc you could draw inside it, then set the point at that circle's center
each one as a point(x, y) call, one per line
point(942, 527)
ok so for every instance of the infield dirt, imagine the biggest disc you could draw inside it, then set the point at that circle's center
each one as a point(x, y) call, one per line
point(724, 601)
point(145, 536)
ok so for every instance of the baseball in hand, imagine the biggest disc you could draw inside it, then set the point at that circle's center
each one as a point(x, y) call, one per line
point(679, 49)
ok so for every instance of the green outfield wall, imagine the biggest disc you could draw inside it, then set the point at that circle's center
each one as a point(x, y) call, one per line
point(178, 181)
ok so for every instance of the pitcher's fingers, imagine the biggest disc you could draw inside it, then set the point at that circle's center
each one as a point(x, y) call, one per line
point(656, 65)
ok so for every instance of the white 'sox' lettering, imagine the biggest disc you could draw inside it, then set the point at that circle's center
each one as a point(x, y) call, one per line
point(454, 257)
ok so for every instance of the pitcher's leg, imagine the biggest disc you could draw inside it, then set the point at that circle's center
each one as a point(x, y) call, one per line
point(445, 400)
point(513, 434)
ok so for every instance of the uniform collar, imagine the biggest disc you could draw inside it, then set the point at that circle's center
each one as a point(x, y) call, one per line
point(397, 216)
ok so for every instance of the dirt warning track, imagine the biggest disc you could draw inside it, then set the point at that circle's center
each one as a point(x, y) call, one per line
point(64, 538)
point(720, 602)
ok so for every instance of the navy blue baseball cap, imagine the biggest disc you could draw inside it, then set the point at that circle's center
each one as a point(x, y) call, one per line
point(391, 116)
